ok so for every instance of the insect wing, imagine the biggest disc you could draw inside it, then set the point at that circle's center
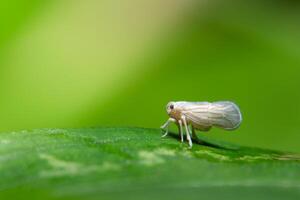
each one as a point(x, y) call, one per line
point(197, 114)
point(223, 114)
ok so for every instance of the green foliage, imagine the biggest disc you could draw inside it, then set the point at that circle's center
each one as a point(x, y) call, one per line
point(136, 163)
point(107, 63)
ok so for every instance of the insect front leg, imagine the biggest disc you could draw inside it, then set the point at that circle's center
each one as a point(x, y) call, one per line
point(188, 136)
point(166, 126)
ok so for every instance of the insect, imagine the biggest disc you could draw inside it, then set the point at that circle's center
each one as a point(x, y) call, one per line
point(202, 116)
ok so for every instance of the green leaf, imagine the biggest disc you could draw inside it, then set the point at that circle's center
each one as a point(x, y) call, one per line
point(136, 163)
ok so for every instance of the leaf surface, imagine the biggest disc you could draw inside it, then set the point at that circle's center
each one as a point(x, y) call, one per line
point(136, 163)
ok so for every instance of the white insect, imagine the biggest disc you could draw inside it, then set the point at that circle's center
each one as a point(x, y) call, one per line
point(202, 116)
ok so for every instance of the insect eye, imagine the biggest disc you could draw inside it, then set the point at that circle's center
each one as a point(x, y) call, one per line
point(172, 107)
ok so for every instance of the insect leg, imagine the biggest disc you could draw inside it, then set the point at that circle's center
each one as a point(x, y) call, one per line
point(180, 130)
point(166, 126)
point(194, 133)
point(187, 132)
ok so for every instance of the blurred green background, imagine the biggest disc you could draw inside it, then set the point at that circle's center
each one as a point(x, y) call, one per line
point(117, 63)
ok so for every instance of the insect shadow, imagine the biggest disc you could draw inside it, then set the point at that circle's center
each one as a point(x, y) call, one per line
point(207, 143)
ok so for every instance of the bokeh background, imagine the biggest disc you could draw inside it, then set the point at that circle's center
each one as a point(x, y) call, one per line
point(117, 63)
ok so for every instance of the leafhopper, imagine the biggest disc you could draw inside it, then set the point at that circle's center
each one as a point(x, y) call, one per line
point(202, 116)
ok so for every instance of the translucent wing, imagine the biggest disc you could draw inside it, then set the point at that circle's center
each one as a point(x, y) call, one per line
point(223, 114)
